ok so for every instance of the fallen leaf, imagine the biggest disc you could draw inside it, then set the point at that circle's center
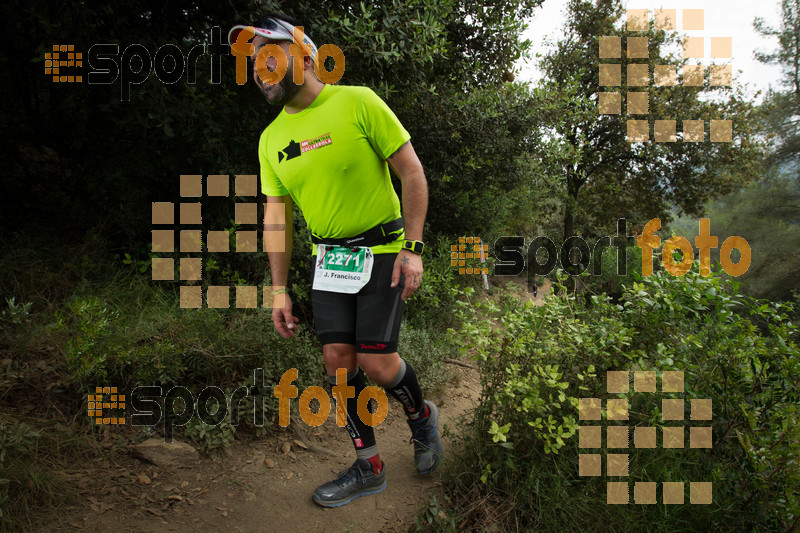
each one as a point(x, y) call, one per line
point(301, 444)
point(289, 476)
point(269, 462)
point(286, 448)
point(175, 497)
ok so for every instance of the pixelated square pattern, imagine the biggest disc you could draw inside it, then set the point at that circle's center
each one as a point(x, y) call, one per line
point(617, 464)
point(589, 409)
point(617, 409)
point(274, 241)
point(191, 297)
point(700, 437)
point(610, 103)
point(246, 297)
point(693, 19)
point(693, 75)
point(218, 297)
point(720, 75)
point(693, 131)
point(617, 492)
point(644, 492)
point(246, 185)
point(693, 47)
point(218, 185)
point(468, 248)
point(218, 241)
point(617, 436)
point(664, 131)
point(610, 75)
point(672, 381)
point(701, 409)
point(163, 240)
point(589, 464)
point(54, 61)
point(637, 19)
point(246, 241)
point(610, 47)
point(589, 436)
point(721, 131)
point(672, 437)
point(163, 213)
point(191, 185)
point(638, 131)
point(638, 48)
point(638, 75)
point(644, 381)
point(672, 409)
point(722, 47)
point(672, 492)
point(246, 213)
point(665, 19)
point(190, 240)
point(163, 269)
point(700, 492)
point(100, 404)
point(191, 213)
point(191, 268)
point(638, 103)
point(665, 75)
point(617, 381)
point(274, 300)
point(644, 437)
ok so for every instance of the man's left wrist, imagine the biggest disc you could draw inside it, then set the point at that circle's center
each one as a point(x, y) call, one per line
point(415, 247)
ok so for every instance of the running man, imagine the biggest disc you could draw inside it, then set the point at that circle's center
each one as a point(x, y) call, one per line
point(329, 151)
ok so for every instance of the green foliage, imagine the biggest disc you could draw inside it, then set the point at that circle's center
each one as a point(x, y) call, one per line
point(603, 176)
point(22, 485)
point(16, 314)
point(210, 437)
point(743, 354)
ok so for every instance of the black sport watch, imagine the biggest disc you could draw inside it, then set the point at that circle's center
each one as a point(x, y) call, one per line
point(414, 246)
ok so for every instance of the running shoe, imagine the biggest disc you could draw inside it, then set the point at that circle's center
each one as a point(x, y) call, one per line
point(358, 480)
point(428, 446)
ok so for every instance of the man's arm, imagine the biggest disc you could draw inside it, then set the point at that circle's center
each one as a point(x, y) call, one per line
point(408, 168)
point(278, 240)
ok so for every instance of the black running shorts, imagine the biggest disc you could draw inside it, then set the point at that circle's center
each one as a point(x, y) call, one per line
point(369, 319)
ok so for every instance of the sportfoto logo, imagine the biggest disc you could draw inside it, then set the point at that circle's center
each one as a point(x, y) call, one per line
point(134, 64)
point(150, 405)
point(618, 438)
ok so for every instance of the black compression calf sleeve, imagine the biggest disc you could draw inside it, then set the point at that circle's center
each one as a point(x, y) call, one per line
point(362, 435)
point(405, 389)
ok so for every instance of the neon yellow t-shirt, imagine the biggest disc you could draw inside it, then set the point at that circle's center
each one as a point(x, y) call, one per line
point(331, 159)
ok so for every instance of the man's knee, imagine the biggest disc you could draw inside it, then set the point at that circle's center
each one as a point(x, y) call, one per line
point(339, 356)
point(380, 367)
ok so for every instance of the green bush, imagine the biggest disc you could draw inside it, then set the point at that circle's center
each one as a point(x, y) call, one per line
point(519, 453)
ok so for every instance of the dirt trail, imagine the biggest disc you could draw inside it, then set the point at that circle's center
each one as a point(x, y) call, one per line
point(239, 492)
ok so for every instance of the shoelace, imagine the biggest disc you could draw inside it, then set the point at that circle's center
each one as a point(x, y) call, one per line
point(420, 434)
point(352, 473)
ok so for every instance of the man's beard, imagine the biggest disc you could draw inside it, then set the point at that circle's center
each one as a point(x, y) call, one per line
point(282, 92)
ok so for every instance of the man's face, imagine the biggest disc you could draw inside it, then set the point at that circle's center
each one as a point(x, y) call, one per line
point(285, 90)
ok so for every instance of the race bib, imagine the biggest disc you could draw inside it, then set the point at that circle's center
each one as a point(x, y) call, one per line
point(342, 269)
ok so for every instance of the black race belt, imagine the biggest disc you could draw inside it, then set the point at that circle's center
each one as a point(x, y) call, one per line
point(380, 234)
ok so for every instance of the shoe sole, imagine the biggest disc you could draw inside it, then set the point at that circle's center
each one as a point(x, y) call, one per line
point(434, 412)
point(339, 503)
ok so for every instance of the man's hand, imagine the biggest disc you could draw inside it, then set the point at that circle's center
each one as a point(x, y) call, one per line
point(410, 264)
point(285, 322)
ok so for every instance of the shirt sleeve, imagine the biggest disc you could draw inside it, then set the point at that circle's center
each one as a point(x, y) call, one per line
point(380, 125)
point(271, 185)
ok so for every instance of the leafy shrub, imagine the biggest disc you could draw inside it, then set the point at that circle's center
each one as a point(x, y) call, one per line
point(539, 361)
